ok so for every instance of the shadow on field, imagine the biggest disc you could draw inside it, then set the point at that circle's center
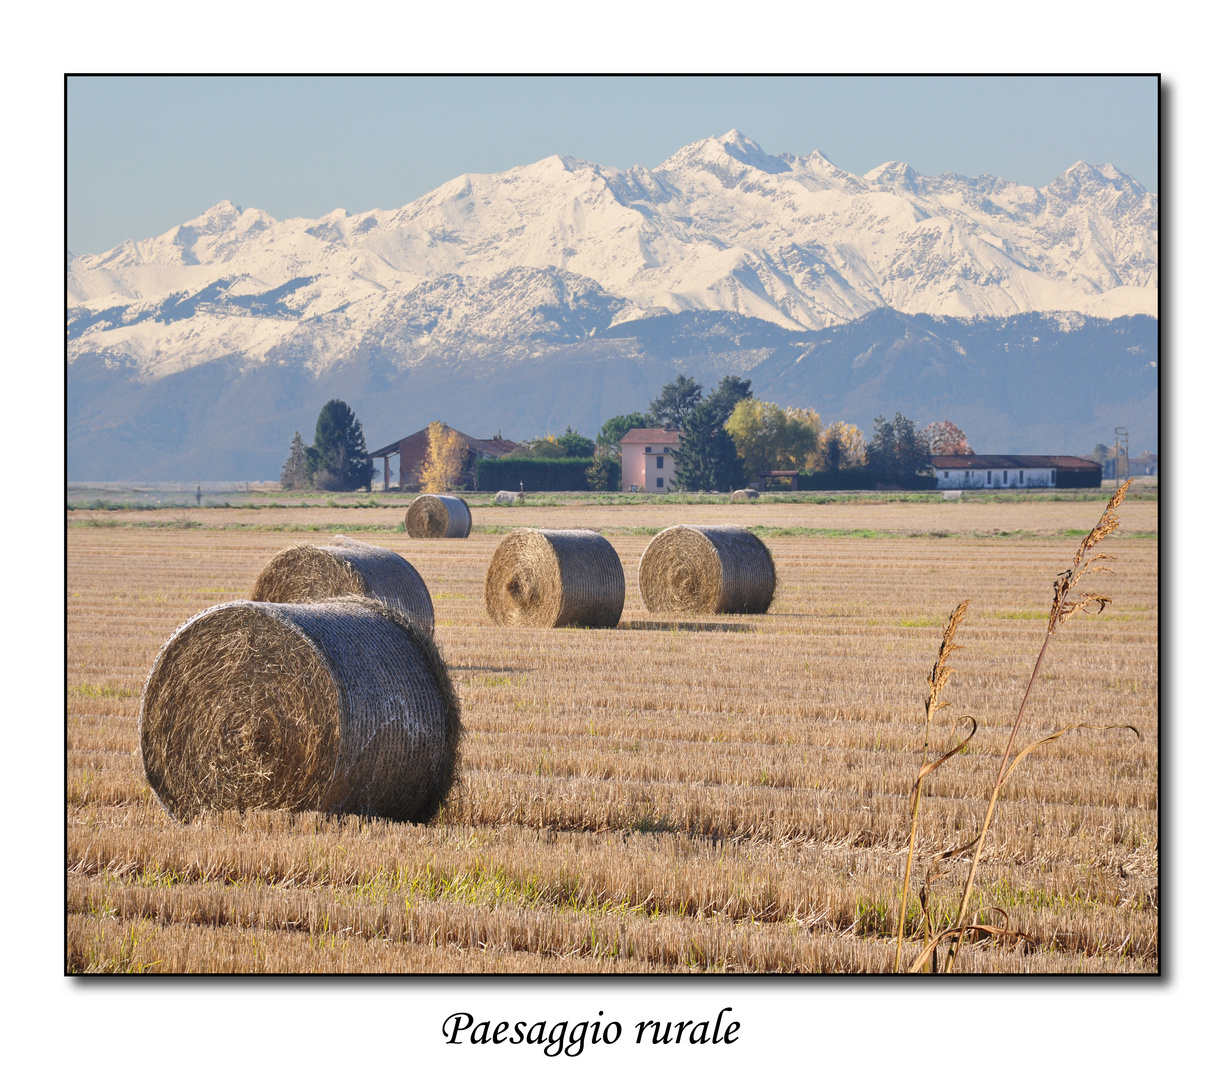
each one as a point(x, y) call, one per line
point(726, 628)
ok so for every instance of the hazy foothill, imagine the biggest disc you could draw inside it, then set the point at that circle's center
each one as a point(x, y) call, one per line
point(752, 583)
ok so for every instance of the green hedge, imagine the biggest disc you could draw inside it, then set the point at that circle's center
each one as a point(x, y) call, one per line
point(536, 474)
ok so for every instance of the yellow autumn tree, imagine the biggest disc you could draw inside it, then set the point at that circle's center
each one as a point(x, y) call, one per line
point(769, 437)
point(445, 457)
point(843, 446)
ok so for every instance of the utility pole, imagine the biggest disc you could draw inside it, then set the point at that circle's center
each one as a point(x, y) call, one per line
point(1121, 448)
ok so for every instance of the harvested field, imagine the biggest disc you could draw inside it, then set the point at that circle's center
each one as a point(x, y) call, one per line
point(724, 793)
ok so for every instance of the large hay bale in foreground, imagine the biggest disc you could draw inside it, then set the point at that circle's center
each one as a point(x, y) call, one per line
point(342, 706)
point(434, 517)
point(707, 569)
point(346, 568)
point(555, 577)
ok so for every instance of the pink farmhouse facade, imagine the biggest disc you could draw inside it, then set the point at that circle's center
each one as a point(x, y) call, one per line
point(647, 459)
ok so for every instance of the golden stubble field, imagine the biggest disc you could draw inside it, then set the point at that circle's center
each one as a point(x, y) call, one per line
point(728, 794)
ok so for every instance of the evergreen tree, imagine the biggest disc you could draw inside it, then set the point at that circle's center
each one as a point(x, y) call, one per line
point(707, 459)
point(337, 459)
point(295, 473)
point(677, 400)
point(898, 453)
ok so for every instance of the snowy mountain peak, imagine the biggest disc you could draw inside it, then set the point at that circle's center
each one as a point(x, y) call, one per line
point(720, 226)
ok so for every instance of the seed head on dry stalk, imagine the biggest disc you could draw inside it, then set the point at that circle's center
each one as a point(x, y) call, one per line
point(941, 671)
point(1063, 608)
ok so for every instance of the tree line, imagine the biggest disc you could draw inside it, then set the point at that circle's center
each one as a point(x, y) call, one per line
point(728, 437)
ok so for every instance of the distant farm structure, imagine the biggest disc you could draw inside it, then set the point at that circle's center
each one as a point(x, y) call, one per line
point(973, 471)
point(647, 459)
point(412, 451)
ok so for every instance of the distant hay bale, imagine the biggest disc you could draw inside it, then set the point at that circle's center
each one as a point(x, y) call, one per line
point(707, 569)
point(342, 706)
point(744, 495)
point(506, 498)
point(555, 577)
point(435, 517)
point(346, 568)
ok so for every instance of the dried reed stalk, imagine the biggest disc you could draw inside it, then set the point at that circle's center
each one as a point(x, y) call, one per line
point(1063, 608)
point(941, 671)
point(555, 577)
point(434, 517)
point(343, 706)
point(346, 567)
point(707, 570)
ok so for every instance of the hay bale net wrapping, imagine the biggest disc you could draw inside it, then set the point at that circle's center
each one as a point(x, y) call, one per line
point(346, 567)
point(707, 569)
point(555, 577)
point(434, 517)
point(342, 706)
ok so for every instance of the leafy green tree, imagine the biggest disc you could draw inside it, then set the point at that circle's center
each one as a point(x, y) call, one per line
point(576, 445)
point(707, 459)
point(337, 460)
point(677, 400)
point(609, 441)
point(296, 473)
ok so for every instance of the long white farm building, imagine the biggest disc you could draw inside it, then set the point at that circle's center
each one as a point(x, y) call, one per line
point(1015, 471)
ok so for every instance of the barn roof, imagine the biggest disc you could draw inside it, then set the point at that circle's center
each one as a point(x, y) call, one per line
point(494, 447)
point(1011, 461)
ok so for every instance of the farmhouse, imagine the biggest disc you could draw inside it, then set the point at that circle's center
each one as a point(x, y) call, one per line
point(1015, 471)
point(647, 459)
point(412, 450)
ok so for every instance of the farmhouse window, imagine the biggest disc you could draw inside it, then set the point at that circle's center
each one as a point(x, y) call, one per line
point(989, 478)
point(659, 462)
point(649, 449)
point(1021, 475)
point(1004, 478)
point(967, 475)
point(659, 481)
point(1053, 476)
point(946, 474)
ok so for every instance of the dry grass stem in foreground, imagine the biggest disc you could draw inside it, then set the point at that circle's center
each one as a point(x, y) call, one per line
point(346, 567)
point(941, 671)
point(1062, 609)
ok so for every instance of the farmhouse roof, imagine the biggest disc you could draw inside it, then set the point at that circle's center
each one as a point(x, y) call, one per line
point(494, 447)
point(650, 435)
point(1011, 461)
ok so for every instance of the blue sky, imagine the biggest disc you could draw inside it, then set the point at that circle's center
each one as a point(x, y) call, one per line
point(147, 153)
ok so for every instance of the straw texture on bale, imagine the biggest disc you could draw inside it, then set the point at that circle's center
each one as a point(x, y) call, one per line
point(346, 568)
point(555, 577)
point(435, 517)
point(744, 495)
point(342, 706)
point(707, 569)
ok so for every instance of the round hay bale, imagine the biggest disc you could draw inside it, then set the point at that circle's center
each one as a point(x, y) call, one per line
point(346, 568)
point(506, 498)
point(707, 569)
point(555, 577)
point(433, 517)
point(342, 706)
point(744, 495)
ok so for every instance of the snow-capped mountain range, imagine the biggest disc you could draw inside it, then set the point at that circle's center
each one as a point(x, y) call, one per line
point(499, 268)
